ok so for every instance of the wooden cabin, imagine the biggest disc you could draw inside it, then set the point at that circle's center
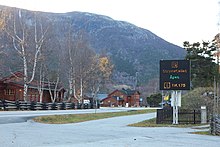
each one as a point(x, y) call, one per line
point(124, 98)
point(12, 88)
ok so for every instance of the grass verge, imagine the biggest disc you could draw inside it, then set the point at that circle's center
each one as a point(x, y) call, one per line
point(74, 118)
point(152, 123)
point(202, 133)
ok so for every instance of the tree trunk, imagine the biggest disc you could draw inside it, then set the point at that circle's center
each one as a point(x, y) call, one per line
point(55, 89)
point(41, 96)
point(70, 83)
point(81, 88)
point(25, 92)
point(41, 85)
point(25, 75)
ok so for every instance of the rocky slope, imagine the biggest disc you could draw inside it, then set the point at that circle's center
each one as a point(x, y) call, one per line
point(133, 50)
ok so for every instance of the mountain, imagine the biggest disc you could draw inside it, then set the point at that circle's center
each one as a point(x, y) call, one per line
point(131, 48)
point(134, 51)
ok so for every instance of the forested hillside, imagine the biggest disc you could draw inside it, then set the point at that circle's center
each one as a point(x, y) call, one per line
point(134, 52)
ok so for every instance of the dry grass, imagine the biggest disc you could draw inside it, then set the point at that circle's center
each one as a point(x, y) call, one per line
point(202, 133)
point(74, 118)
point(152, 123)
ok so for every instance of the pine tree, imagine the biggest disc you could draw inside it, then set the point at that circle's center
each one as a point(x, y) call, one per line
point(203, 67)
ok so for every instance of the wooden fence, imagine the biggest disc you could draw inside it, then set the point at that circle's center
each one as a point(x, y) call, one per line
point(215, 125)
point(165, 116)
point(21, 105)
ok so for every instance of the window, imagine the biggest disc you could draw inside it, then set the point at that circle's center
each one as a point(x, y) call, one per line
point(9, 92)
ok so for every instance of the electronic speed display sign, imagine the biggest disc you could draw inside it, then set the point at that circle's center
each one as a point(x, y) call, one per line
point(174, 75)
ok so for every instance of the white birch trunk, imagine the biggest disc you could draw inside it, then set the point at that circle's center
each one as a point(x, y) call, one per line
point(53, 96)
point(19, 41)
point(50, 92)
point(25, 92)
point(55, 89)
point(41, 96)
point(25, 75)
point(71, 71)
point(74, 90)
point(81, 89)
point(41, 84)
point(70, 84)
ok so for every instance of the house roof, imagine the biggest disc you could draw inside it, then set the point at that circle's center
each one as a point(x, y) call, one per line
point(129, 92)
point(17, 75)
point(102, 96)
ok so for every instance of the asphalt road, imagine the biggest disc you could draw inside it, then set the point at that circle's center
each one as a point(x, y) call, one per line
point(22, 116)
point(111, 132)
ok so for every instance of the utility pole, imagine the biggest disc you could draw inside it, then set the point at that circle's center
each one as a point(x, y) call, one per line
point(216, 78)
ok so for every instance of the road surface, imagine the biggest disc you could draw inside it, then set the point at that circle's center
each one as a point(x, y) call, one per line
point(111, 132)
point(23, 116)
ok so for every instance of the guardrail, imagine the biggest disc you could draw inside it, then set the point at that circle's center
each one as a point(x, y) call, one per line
point(22, 105)
point(215, 125)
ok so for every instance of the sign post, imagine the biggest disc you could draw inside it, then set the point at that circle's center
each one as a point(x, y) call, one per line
point(175, 103)
point(175, 76)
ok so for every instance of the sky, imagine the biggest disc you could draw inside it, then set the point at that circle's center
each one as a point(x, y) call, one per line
point(175, 21)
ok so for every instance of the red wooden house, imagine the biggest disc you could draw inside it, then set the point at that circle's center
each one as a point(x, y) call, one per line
point(11, 88)
point(124, 97)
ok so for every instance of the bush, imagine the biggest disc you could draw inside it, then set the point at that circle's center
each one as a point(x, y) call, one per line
point(154, 100)
point(202, 96)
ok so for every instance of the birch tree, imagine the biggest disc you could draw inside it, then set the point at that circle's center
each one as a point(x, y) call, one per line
point(71, 55)
point(53, 68)
point(27, 37)
point(41, 82)
point(53, 77)
point(80, 57)
point(100, 73)
point(53, 92)
point(83, 64)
